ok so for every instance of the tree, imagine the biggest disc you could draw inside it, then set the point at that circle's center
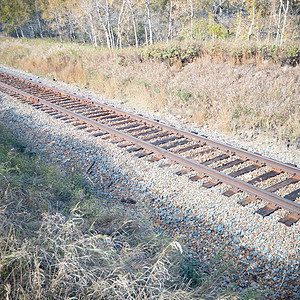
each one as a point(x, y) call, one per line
point(14, 14)
point(147, 6)
point(133, 22)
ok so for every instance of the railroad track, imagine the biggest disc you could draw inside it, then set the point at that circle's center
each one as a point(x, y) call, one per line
point(260, 177)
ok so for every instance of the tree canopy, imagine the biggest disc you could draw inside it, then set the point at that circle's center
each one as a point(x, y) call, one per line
point(119, 23)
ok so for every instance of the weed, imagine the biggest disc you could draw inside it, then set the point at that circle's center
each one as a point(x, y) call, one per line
point(190, 271)
point(184, 95)
point(240, 111)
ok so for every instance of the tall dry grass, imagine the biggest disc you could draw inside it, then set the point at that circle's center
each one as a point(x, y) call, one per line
point(223, 86)
point(61, 240)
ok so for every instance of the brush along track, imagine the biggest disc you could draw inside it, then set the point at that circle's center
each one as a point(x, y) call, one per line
point(260, 177)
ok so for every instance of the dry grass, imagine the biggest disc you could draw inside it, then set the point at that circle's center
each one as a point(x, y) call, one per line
point(49, 249)
point(225, 87)
point(70, 257)
point(59, 240)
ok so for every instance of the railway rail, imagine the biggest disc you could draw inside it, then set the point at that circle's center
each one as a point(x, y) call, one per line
point(260, 177)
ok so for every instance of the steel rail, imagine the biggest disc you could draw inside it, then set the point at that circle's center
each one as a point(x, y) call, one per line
point(253, 191)
point(200, 138)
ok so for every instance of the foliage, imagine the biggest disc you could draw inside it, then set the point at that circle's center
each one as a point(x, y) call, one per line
point(15, 14)
point(190, 273)
point(215, 30)
point(171, 52)
point(119, 23)
point(189, 51)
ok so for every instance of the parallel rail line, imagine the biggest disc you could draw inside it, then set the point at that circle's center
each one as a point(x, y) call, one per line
point(145, 137)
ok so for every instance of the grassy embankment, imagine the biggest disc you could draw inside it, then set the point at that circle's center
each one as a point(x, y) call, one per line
point(231, 86)
point(59, 240)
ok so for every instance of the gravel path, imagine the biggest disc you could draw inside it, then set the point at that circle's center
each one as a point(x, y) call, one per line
point(264, 251)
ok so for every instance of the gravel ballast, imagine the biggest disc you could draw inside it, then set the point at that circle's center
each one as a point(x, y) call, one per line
point(266, 252)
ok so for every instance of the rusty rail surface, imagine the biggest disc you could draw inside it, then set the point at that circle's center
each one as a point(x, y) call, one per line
point(251, 190)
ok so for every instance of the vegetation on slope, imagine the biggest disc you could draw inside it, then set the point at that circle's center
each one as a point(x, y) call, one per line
point(248, 88)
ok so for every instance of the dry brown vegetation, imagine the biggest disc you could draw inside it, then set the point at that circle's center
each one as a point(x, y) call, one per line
point(61, 240)
point(227, 89)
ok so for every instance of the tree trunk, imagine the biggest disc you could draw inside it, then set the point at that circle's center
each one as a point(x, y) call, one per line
point(38, 19)
point(237, 34)
point(21, 30)
point(252, 21)
point(271, 18)
point(31, 31)
point(94, 37)
point(58, 29)
point(109, 28)
point(80, 29)
point(103, 25)
point(40, 27)
point(278, 24)
point(146, 33)
point(284, 20)
point(113, 45)
point(220, 11)
point(120, 20)
point(192, 17)
point(71, 25)
point(170, 21)
point(134, 24)
point(149, 22)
